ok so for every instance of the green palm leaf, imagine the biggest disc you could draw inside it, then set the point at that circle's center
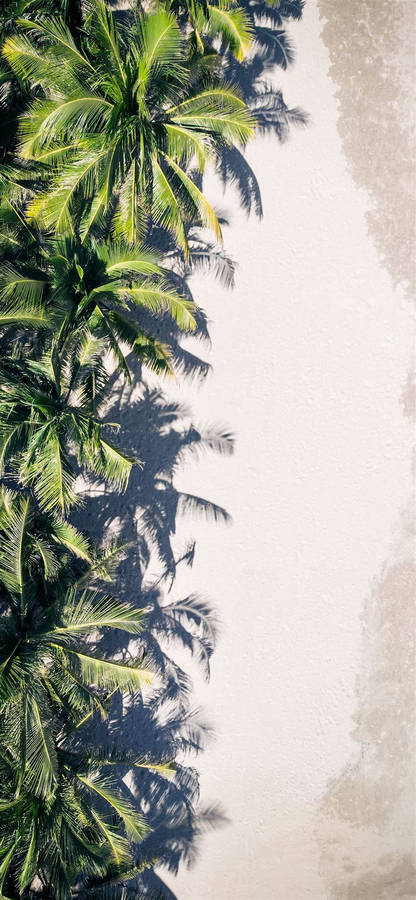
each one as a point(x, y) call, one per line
point(218, 111)
point(91, 613)
point(119, 845)
point(66, 534)
point(233, 26)
point(112, 464)
point(19, 288)
point(50, 474)
point(157, 300)
point(109, 674)
point(28, 869)
point(61, 39)
point(161, 42)
point(56, 206)
point(14, 524)
point(40, 751)
point(27, 316)
point(202, 208)
point(134, 823)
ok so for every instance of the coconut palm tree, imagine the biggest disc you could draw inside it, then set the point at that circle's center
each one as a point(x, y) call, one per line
point(120, 122)
point(55, 799)
point(62, 284)
point(83, 830)
point(48, 420)
point(48, 617)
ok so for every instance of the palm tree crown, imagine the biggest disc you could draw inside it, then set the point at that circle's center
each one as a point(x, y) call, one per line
point(54, 802)
point(58, 285)
point(121, 121)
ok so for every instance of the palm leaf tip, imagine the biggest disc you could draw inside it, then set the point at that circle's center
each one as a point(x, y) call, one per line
point(133, 821)
point(114, 465)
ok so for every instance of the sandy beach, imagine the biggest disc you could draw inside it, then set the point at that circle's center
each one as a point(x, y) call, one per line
point(310, 359)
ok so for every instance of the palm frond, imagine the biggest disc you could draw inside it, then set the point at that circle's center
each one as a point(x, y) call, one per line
point(42, 765)
point(233, 26)
point(106, 673)
point(156, 300)
point(50, 474)
point(28, 869)
point(133, 821)
point(92, 613)
point(203, 210)
point(217, 110)
point(114, 465)
point(14, 524)
point(60, 38)
point(66, 534)
point(161, 42)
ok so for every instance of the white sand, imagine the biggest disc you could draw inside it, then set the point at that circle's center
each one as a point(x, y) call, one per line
point(310, 357)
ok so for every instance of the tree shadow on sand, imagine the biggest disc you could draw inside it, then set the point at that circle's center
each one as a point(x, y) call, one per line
point(161, 726)
point(272, 48)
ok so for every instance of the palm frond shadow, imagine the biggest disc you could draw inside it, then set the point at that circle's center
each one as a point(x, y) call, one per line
point(160, 433)
point(272, 46)
point(158, 730)
point(162, 727)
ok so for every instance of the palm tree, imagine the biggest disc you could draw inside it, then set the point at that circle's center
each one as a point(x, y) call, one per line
point(63, 284)
point(120, 121)
point(48, 416)
point(83, 830)
point(54, 799)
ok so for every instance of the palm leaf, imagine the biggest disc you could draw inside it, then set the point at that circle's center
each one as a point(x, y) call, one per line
point(202, 207)
point(50, 474)
point(28, 869)
point(28, 316)
point(56, 206)
point(14, 528)
point(41, 756)
point(161, 42)
point(233, 25)
point(133, 821)
point(102, 26)
point(15, 286)
point(120, 849)
point(90, 614)
point(109, 674)
point(122, 260)
point(61, 39)
point(218, 111)
point(26, 61)
point(166, 209)
point(113, 465)
point(156, 300)
point(66, 534)
point(5, 863)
